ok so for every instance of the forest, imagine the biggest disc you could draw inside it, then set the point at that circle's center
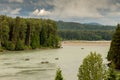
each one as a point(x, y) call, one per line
point(86, 35)
point(77, 31)
point(27, 33)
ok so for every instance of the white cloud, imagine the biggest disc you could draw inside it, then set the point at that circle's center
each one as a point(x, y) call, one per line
point(97, 10)
point(16, 11)
point(11, 11)
point(41, 12)
point(19, 1)
point(79, 8)
point(113, 14)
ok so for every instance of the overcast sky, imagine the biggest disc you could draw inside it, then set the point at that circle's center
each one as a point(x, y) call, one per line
point(84, 11)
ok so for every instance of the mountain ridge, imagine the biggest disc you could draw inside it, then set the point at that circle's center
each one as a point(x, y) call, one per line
point(82, 26)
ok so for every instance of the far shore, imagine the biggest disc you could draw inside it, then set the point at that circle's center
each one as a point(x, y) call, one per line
point(86, 43)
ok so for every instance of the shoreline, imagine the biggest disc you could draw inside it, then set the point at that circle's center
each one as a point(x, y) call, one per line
point(43, 48)
point(86, 43)
point(70, 43)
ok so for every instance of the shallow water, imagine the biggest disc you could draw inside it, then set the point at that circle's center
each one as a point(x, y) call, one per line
point(42, 64)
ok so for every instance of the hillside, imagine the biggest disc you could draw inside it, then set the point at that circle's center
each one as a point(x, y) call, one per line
point(91, 31)
point(77, 26)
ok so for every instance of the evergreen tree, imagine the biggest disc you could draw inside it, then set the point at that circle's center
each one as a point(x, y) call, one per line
point(35, 41)
point(9, 45)
point(43, 37)
point(19, 45)
point(114, 52)
point(20, 33)
point(92, 68)
point(58, 75)
point(4, 32)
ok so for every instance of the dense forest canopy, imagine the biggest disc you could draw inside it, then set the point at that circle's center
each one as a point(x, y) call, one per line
point(77, 31)
point(85, 35)
point(21, 33)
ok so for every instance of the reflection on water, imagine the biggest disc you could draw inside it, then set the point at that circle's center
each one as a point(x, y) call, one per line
point(42, 64)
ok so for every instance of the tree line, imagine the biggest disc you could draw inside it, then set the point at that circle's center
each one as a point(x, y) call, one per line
point(86, 34)
point(27, 33)
point(77, 31)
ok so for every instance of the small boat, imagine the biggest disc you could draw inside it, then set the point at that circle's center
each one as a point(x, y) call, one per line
point(56, 58)
point(27, 59)
point(82, 48)
point(44, 62)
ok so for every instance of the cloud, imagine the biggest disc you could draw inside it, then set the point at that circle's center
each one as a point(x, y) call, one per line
point(74, 8)
point(81, 8)
point(78, 10)
point(11, 11)
point(103, 11)
point(18, 1)
point(41, 12)
point(16, 11)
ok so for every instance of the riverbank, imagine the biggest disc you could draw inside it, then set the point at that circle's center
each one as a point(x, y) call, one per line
point(84, 43)
point(72, 43)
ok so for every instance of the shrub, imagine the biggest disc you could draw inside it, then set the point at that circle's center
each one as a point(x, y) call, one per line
point(92, 68)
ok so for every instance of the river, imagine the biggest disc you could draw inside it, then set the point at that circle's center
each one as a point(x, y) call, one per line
point(42, 64)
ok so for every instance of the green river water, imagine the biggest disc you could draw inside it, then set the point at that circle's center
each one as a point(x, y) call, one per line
point(27, 65)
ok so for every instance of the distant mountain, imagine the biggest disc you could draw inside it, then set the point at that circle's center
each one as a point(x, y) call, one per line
point(86, 26)
point(93, 23)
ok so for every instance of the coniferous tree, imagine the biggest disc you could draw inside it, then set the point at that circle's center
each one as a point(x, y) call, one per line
point(4, 32)
point(58, 75)
point(24, 33)
point(114, 52)
point(43, 37)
